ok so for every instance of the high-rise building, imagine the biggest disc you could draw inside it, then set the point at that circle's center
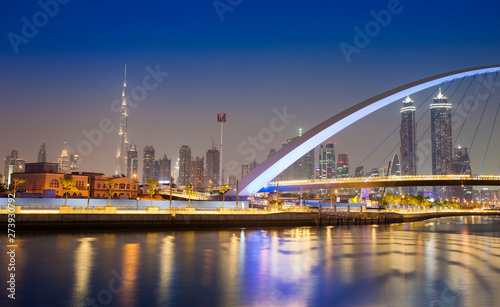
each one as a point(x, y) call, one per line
point(132, 162)
point(63, 160)
point(326, 161)
point(184, 165)
point(407, 135)
point(303, 168)
point(148, 164)
point(359, 171)
point(395, 166)
point(343, 166)
point(247, 168)
point(42, 154)
point(164, 165)
point(121, 154)
point(74, 162)
point(441, 139)
point(212, 168)
point(461, 165)
point(197, 170)
point(10, 162)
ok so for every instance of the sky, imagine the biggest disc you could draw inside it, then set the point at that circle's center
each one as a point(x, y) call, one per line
point(59, 80)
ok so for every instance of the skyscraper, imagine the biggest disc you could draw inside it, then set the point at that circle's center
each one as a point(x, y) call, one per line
point(148, 164)
point(343, 166)
point(395, 166)
point(164, 166)
point(407, 134)
point(303, 168)
point(197, 169)
point(74, 162)
point(132, 162)
point(247, 168)
point(121, 155)
point(63, 160)
point(327, 161)
point(359, 171)
point(212, 166)
point(461, 165)
point(441, 139)
point(13, 164)
point(184, 165)
point(42, 154)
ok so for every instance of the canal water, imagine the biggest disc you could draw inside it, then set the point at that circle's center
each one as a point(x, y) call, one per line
point(438, 262)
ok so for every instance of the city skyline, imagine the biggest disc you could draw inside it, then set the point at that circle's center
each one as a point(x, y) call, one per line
point(77, 92)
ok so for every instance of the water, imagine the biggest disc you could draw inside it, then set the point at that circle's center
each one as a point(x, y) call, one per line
point(439, 262)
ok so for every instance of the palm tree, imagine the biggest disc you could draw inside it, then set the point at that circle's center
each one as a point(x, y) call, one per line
point(153, 187)
point(223, 190)
point(16, 182)
point(68, 184)
point(110, 183)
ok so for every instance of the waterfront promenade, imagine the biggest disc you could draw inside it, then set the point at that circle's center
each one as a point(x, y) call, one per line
point(151, 217)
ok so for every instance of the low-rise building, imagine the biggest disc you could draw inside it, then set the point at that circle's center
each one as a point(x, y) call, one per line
point(42, 177)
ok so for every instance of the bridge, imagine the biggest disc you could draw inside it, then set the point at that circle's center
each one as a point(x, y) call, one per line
point(264, 173)
point(381, 182)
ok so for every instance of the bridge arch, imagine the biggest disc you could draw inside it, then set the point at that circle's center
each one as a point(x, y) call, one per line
point(287, 155)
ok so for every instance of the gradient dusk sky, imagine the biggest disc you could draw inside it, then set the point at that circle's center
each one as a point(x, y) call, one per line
point(262, 55)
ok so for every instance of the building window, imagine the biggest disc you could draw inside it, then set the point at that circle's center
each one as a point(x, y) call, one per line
point(98, 185)
point(54, 183)
point(98, 195)
point(128, 186)
point(122, 185)
point(116, 185)
point(103, 185)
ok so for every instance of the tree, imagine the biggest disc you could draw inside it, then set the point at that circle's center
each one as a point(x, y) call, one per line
point(190, 192)
point(223, 190)
point(16, 182)
point(153, 184)
point(68, 184)
point(110, 184)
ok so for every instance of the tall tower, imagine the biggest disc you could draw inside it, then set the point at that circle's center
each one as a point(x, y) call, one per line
point(408, 135)
point(184, 165)
point(121, 155)
point(327, 161)
point(132, 162)
point(221, 118)
point(42, 154)
point(148, 164)
point(213, 167)
point(441, 140)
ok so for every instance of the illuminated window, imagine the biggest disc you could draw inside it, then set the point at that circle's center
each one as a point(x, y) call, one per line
point(122, 185)
point(54, 183)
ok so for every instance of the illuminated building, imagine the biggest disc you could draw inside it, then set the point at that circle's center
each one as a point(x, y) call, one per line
point(461, 165)
point(343, 166)
point(121, 155)
point(327, 161)
point(148, 163)
point(212, 167)
point(42, 153)
point(132, 162)
point(184, 165)
point(197, 170)
point(441, 141)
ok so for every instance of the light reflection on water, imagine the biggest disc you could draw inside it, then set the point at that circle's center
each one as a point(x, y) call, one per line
point(446, 262)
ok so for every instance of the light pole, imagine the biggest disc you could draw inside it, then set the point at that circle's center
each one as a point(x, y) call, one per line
point(88, 196)
point(221, 118)
point(170, 208)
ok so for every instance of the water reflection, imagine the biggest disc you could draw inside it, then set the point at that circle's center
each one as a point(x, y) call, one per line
point(405, 264)
point(84, 255)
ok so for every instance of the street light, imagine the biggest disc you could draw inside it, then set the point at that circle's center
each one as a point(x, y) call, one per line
point(88, 196)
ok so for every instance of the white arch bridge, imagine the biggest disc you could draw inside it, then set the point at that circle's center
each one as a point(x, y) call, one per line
point(278, 162)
